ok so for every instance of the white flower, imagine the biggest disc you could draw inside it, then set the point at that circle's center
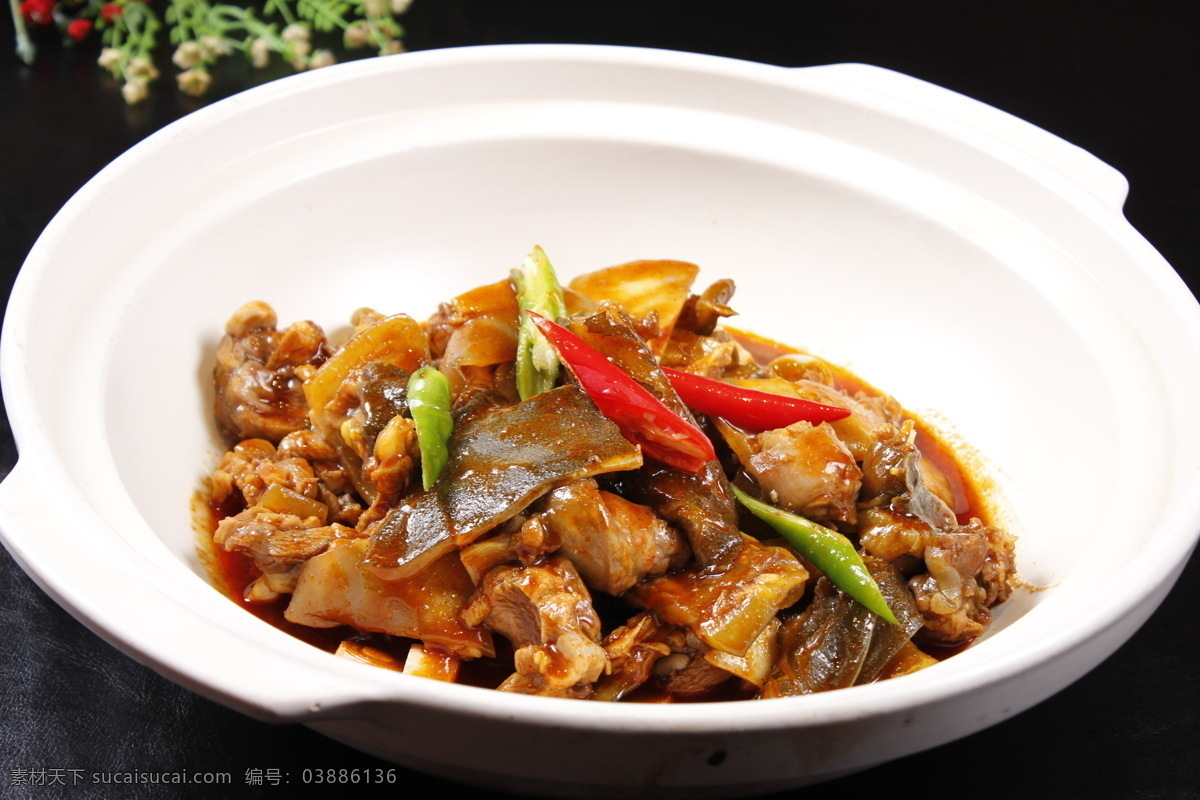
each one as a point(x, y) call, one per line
point(135, 90)
point(140, 67)
point(188, 55)
point(400, 6)
point(194, 82)
point(109, 58)
point(296, 32)
point(392, 47)
point(356, 35)
point(297, 54)
point(375, 8)
point(260, 52)
point(213, 46)
point(321, 58)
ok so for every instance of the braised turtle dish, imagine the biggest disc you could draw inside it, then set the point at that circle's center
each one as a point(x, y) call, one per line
point(594, 491)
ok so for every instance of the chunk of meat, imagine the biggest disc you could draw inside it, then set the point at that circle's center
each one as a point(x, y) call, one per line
point(700, 505)
point(334, 487)
point(892, 477)
point(393, 346)
point(501, 460)
point(713, 356)
point(898, 511)
point(546, 612)
point(970, 568)
point(701, 312)
point(258, 394)
point(803, 468)
point(391, 466)
point(279, 543)
point(728, 604)
point(632, 650)
point(870, 415)
point(645, 650)
point(686, 670)
point(333, 589)
point(613, 542)
point(254, 465)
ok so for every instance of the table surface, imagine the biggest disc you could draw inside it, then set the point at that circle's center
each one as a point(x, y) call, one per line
point(1116, 77)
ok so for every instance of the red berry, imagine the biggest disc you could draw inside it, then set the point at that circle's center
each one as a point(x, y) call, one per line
point(38, 12)
point(78, 29)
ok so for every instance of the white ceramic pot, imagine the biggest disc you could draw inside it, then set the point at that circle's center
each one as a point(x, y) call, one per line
point(972, 265)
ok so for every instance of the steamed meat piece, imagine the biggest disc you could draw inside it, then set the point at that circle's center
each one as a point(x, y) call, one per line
point(728, 604)
point(803, 468)
point(614, 543)
point(377, 439)
point(333, 589)
point(501, 460)
point(300, 464)
point(258, 393)
point(546, 612)
point(970, 570)
point(279, 543)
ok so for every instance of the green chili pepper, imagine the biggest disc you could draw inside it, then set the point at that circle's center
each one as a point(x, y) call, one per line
point(832, 552)
point(538, 291)
point(429, 403)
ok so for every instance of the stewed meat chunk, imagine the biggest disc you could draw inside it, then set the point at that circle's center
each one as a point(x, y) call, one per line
point(614, 543)
point(259, 393)
point(545, 610)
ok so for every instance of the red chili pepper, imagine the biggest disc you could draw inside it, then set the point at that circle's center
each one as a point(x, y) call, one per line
point(748, 408)
point(642, 417)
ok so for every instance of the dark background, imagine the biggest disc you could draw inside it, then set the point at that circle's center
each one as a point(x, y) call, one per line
point(1115, 77)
